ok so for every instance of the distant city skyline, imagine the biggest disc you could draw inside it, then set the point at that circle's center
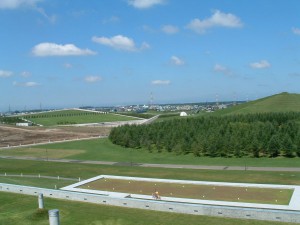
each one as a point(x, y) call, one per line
point(76, 53)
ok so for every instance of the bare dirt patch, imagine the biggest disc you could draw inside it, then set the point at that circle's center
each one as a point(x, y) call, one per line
point(12, 136)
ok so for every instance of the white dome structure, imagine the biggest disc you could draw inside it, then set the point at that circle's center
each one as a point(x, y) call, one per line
point(183, 114)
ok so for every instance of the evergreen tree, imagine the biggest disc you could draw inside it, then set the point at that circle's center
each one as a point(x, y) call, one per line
point(274, 146)
point(287, 146)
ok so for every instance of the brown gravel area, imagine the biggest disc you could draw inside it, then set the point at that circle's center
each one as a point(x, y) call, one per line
point(12, 136)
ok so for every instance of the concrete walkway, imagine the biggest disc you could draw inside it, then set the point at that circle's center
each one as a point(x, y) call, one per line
point(170, 166)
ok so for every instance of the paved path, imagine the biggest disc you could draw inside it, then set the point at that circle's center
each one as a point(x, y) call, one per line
point(197, 167)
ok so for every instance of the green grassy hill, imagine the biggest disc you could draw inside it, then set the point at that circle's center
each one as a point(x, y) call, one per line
point(64, 117)
point(283, 102)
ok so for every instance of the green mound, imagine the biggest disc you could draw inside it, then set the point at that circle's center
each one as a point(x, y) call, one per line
point(65, 117)
point(283, 102)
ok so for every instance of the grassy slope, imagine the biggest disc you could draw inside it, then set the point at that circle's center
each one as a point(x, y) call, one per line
point(283, 102)
point(16, 209)
point(79, 119)
point(104, 150)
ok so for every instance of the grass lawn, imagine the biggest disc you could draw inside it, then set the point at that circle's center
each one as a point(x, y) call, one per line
point(104, 150)
point(85, 171)
point(16, 209)
point(75, 117)
point(36, 182)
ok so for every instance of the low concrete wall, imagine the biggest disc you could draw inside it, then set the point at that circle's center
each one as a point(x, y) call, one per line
point(196, 209)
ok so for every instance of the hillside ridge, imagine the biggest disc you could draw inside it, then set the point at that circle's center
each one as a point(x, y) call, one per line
point(282, 102)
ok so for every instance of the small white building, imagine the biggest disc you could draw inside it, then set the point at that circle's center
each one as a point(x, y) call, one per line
point(183, 114)
point(23, 124)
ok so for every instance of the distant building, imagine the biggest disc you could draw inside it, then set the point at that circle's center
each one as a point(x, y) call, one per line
point(183, 114)
point(222, 106)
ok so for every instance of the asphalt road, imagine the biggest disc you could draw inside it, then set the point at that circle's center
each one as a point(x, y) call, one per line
point(196, 167)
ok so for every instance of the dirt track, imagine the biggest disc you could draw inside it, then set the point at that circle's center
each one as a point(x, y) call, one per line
point(12, 136)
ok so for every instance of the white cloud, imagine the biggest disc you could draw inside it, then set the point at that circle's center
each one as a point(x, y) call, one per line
point(52, 49)
point(25, 74)
point(145, 45)
point(32, 4)
point(260, 65)
point(296, 31)
point(145, 4)
point(218, 19)
point(120, 42)
point(5, 73)
point(26, 84)
point(92, 79)
point(68, 65)
point(148, 29)
point(112, 19)
point(170, 29)
point(50, 18)
point(177, 61)
point(14, 4)
point(222, 69)
point(161, 82)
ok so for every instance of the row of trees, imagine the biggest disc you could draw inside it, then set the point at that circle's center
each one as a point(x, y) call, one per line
point(255, 135)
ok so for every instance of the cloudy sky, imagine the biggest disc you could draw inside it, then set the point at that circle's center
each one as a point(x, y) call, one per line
point(76, 53)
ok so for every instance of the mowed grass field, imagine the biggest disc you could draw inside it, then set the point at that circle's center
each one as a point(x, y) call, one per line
point(104, 150)
point(17, 209)
point(75, 117)
point(21, 209)
point(194, 191)
point(85, 171)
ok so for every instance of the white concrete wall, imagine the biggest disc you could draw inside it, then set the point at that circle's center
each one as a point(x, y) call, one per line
point(196, 209)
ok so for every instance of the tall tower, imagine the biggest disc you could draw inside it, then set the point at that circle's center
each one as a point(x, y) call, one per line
point(217, 99)
point(151, 100)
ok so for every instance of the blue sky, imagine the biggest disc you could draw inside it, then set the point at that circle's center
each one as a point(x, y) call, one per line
point(109, 52)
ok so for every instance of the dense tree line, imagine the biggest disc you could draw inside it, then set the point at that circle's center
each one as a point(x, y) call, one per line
point(254, 135)
point(10, 120)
